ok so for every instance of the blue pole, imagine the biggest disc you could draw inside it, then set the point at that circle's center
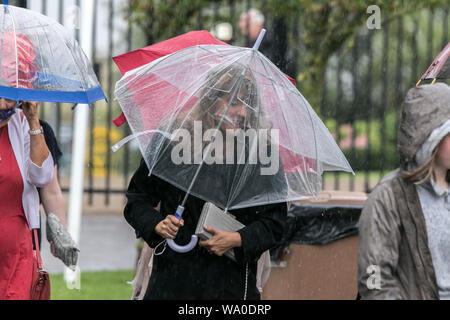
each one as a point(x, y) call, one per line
point(5, 2)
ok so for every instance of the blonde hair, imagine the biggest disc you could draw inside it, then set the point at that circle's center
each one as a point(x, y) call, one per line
point(425, 171)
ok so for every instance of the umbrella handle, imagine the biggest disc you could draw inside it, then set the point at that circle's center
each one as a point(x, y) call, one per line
point(190, 245)
point(183, 249)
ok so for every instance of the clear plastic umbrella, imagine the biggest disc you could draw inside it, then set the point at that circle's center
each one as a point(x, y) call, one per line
point(224, 124)
point(41, 61)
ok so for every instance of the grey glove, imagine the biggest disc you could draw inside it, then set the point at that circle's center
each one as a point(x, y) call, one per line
point(65, 248)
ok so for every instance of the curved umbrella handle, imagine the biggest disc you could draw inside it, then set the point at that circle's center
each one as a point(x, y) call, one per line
point(190, 245)
point(183, 249)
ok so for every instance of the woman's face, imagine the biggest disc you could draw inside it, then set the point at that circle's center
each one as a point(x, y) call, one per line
point(443, 153)
point(6, 104)
point(235, 116)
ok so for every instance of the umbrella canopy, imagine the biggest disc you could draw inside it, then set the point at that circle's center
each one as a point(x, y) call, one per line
point(234, 130)
point(41, 61)
point(140, 57)
point(440, 68)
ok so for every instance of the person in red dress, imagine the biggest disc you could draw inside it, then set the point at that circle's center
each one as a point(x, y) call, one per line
point(25, 163)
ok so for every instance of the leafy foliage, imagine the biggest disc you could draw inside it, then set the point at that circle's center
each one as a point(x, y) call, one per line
point(325, 25)
point(328, 25)
point(165, 18)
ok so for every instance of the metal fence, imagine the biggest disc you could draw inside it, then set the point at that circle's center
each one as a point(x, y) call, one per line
point(362, 92)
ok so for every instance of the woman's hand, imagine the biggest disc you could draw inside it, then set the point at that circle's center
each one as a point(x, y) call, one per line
point(38, 148)
point(30, 110)
point(168, 228)
point(221, 241)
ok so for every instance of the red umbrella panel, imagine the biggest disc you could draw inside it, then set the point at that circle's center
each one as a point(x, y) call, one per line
point(140, 57)
point(440, 68)
point(137, 58)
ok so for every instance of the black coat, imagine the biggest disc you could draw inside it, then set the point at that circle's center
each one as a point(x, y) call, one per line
point(198, 274)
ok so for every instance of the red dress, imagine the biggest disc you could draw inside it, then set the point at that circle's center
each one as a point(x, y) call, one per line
point(16, 250)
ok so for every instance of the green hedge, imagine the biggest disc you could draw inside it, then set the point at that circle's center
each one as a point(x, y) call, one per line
point(381, 151)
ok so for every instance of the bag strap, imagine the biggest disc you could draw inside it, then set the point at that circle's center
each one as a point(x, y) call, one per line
point(38, 253)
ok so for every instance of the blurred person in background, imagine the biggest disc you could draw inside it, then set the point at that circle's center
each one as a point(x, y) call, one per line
point(62, 245)
point(251, 23)
point(404, 229)
point(275, 45)
point(51, 195)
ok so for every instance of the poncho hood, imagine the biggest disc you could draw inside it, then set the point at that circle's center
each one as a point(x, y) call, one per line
point(425, 108)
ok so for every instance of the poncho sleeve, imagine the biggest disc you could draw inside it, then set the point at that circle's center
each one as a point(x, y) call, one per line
point(378, 256)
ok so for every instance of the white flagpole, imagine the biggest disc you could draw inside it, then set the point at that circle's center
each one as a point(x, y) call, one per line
point(72, 278)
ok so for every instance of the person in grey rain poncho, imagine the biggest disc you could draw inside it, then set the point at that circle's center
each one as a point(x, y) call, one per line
point(405, 224)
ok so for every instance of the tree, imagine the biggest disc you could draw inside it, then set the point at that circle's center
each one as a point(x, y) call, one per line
point(325, 26)
point(328, 25)
point(162, 19)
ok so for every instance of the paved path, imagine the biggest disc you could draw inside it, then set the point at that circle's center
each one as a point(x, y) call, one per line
point(106, 243)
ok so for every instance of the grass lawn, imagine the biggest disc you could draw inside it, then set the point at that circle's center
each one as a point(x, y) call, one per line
point(107, 285)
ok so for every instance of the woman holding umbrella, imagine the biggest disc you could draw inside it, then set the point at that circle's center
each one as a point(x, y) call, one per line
point(39, 61)
point(404, 226)
point(25, 164)
point(204, 272)
point(251, 172)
